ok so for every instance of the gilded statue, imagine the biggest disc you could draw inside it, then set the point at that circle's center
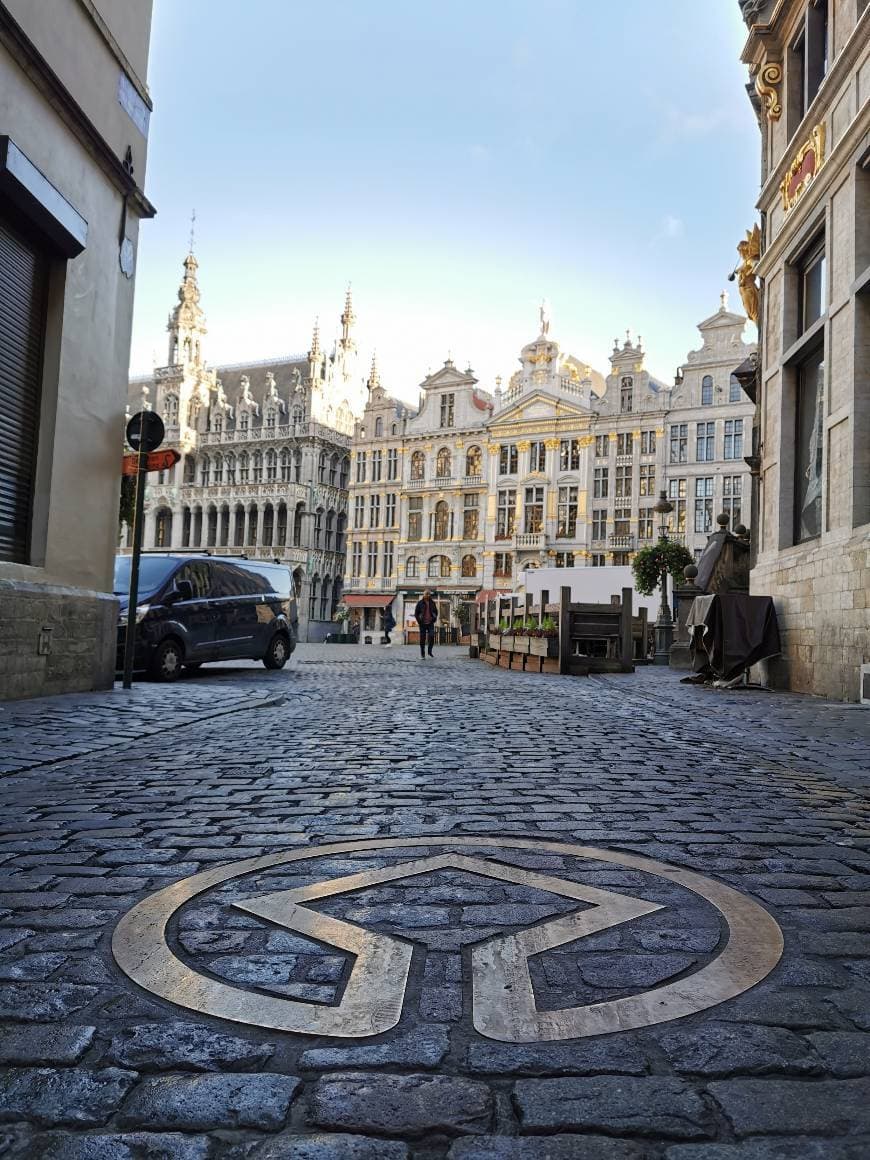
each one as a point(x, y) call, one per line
point(750, 253)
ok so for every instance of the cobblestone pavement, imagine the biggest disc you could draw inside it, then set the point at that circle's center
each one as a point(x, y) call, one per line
point(107, 798)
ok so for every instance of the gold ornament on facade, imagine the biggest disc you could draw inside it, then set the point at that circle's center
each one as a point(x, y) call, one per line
point(767, 86)
point(750, 254)
point(807, 163)
point(551, 444)
point(587, 440)
point(523, 445)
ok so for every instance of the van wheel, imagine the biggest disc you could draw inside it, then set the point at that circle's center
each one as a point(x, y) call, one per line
point(167, 661)
point(277, 653)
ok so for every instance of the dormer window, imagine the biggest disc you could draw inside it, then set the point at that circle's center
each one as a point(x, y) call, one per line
point(447, 403)
point(626, 395)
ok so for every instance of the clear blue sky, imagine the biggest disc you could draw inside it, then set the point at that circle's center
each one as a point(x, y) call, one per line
point(456, 162)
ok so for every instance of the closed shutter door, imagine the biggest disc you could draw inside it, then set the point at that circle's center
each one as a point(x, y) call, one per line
point(23, 287)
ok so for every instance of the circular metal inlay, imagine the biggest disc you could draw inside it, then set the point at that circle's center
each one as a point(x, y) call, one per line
point(504, 1005)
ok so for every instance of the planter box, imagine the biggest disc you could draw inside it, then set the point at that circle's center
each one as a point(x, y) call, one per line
point(507, 643)
point(544, 646)
point(521, 644)
point(495, 640)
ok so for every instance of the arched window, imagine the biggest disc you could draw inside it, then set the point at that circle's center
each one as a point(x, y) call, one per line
point(379, 428)
point(312, 597)
point(318, 527)
point(344, 472)
point(211, 527)
point(186, 522)
point(252, 525)
point(329, 526)
point(296, 416)
point(438, 566)
point(418, 465)
point(239, 536)
point(270, 418)
point(187, 350)
point(442, 520)
point(231, 467)
point(707, 391)
point(297, 466)
point(321, 467)
point(170, 410)
point(257, 467)
point(281, 534)
point(324, 596)
point(442, 463)
point(244, 467)
point(336, 596)
point(163, 529)
point(224, 536)
point(205, 471)
point(297, 524)
point(734, 389)
point(473, 461)
point(412, 567)
point(244, 422)
point(340, 529)
point(285, 465)
point(196, 538)
point(217, 424)
point(333, 470)
point(189, 469)
point(268, 533)
point(271, 465)
point(218, 468)
point(469, 566)
point(394, 430)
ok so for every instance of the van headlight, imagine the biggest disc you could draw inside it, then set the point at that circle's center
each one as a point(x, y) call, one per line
point(142, 611)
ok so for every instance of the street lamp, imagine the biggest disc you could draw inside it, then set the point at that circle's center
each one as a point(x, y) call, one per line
point(664, 627)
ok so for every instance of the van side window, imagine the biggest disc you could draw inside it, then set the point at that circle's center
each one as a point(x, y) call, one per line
point(231, 580)
point(198, 572)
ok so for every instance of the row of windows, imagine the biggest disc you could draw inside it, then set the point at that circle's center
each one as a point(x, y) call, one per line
point(324, 596)
point(533, 512)
point(442, 524)
point(219, 528)
point(218, 422)
point(731, 501)
point(623, 481)
point(735, 394)
point(384, 555)
point(705, 441)
point(258, 466)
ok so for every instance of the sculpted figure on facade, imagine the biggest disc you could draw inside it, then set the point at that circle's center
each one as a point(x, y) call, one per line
point(750, 253)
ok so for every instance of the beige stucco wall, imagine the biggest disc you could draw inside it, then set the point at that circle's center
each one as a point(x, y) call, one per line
point(820, 587)
point(88, 335)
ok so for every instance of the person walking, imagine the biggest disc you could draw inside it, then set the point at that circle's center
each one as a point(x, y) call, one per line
point(389, 623)
point(426, 613)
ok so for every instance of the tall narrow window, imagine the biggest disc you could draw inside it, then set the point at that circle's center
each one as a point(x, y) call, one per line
point(707, 391)
point(359, 511)
point(507, 459)
point(647, 479)
point(356, 559)
point(506, 514)
point(647, 442)
point(533, 510)
point(392, 463)
point(679, 443)
point(566, 526)
point(470, 516)
point(372, 560)
point(443, 463)
point(390, 511)
point(677, 496)
point(389, 559)
point(442, 520)
point(811, 285)
point(538, 456)
point(704, 504)
point(624, 443)
point(447, 410)
point(733, 448)
point(809, 424)
point(626, 395)
point(360, 467)
point(734, 389)
point(375, 511)
point(732, 498)
point(623, 481)
point(599, 524)
point(705, 443)
point(569, 454)
point(473, 462)
point(415, 518)
point(602, 446)
point(376, 466)
point(418, 465)
point(600, 483)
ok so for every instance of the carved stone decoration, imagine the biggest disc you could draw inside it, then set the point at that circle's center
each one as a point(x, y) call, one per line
point(767, 86)
point(807, 163)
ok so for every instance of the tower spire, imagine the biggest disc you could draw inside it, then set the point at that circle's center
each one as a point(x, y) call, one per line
point(374, 374)
point(348, 318)
point(192, 230)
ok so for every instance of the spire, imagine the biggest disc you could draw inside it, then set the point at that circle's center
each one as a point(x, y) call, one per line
point(348, 318)
point(192, 230)
point(374, 374)
point(315, 340)
point(723, 300)
point(186, 323)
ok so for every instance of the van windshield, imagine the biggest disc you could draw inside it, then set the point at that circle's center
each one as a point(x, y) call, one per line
point(153, 571)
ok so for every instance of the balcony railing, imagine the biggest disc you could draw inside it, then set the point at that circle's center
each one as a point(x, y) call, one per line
point(416, 484)
point(624, 460)
point(621, 543)
point(472, 481)
point(529, 540)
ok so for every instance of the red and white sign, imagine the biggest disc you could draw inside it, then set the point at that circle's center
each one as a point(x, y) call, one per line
point(154, 461)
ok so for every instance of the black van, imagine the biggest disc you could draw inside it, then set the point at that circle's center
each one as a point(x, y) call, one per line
point(194, 609)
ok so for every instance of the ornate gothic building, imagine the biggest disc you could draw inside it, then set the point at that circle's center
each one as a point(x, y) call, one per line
point(265, 453)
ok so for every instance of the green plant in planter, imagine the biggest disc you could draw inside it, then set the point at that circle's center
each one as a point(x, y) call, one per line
point(549, 627)
point(504, 625)
point(649, 563)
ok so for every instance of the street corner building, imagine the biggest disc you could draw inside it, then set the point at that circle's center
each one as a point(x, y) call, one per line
point(73, 144)
point(809, 67)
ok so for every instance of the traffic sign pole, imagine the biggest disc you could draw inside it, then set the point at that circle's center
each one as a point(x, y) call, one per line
point(145, 433)
point(138, 527)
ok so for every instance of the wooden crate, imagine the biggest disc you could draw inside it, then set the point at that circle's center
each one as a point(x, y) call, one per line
point(504, 660)
point(517, 661)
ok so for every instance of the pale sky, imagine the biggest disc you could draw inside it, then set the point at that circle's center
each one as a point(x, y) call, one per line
point(456, 162)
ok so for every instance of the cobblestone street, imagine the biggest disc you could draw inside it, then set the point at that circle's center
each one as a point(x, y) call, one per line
point(549, 804)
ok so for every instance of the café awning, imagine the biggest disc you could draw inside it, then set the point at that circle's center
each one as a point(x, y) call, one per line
point(369, 599)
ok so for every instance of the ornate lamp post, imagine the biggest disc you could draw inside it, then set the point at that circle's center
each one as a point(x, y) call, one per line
point(664, 627)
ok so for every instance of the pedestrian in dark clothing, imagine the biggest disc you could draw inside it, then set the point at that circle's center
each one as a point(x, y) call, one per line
point(389, 623)
point(426, 613)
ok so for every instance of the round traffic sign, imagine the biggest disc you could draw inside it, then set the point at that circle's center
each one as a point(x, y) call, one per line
point(145, 429)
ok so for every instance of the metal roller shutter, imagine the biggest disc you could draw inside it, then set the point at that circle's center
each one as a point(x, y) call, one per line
point(23, 290)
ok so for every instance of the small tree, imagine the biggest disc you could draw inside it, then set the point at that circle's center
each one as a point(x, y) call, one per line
point(127, 505)
point(650, 562)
